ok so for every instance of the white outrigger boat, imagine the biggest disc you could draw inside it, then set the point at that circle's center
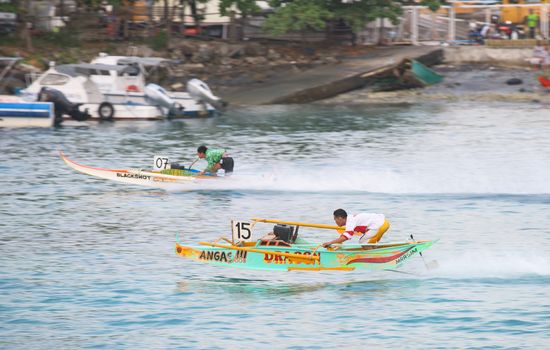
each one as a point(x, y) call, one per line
point(164, 175)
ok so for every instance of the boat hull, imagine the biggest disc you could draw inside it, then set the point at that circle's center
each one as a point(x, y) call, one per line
point(365, 257)
point(139, 106)
point(124, 111)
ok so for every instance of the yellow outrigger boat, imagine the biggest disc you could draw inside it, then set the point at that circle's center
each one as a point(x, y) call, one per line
point(284, 250)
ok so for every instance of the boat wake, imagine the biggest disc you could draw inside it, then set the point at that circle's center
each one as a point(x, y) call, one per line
point(492, 265)
point(370, 181)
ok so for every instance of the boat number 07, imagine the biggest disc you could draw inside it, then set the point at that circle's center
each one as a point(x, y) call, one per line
point(241, 230)
point(160, 163)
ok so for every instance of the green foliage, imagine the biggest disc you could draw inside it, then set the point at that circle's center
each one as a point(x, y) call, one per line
point(7, 7)
point(96, 3)
point(292, 15)
point(433, 5)
point(360, 12)
point(298, 15)
point(11, 39)
point(159, 42)
point(244, 7)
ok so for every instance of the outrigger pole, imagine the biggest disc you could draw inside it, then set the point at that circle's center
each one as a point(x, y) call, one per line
point(432, 264)
point(340, 229)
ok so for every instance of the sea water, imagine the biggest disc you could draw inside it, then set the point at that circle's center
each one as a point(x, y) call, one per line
point(85, 263)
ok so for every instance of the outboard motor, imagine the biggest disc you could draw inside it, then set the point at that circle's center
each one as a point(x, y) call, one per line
point(285, 233)
point(157, 94)
point(177, 166)
point(201, 92)
point(62, 105)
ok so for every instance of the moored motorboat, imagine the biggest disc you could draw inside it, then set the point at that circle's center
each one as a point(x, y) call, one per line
point(197, 101)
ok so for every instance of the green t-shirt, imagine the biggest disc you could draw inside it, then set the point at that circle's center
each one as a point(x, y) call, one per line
point(213, 156)
point(532, 20)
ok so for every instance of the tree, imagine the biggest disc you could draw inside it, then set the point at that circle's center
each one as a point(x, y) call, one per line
point(244, 8)
point(294, 15)
point(195, 11)
point(26, 32)
point(433, 5)
point(298, 15)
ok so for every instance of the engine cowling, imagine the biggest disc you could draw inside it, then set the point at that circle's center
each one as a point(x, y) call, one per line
point(201, 92)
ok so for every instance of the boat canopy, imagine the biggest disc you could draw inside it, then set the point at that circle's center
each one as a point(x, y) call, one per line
point(74, 70)
point(144, 61)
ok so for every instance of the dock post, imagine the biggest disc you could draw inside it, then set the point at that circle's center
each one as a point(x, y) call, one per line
point(452, 23)
point(414, 25)
point(544, 21)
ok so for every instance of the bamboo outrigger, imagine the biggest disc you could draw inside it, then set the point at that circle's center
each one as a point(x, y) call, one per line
point(289, 252)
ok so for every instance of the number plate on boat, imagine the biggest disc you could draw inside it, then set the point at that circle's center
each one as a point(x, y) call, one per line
point(241, 230)
point(161, 163)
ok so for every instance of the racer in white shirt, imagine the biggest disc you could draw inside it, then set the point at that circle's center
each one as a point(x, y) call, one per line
point(369, 226)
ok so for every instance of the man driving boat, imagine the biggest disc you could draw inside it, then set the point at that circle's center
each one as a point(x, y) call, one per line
point(217, 159)
point(370, 226)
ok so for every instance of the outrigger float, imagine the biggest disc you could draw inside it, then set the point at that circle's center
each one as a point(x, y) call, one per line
point(164, 174)
point(284, 250)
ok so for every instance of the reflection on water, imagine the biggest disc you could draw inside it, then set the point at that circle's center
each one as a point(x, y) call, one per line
point(303, 284)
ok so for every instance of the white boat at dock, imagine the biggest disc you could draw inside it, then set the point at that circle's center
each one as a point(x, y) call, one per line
point(114, 87)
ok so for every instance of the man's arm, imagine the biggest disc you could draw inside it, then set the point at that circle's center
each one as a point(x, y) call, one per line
point(340, 239)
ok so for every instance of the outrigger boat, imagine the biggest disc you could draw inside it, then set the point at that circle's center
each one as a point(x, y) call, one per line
point(164, 174)
point(284, 250)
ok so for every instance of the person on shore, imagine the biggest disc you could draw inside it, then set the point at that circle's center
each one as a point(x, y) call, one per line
point(532, 20)
point(540, 58)
point(370, 226)
point(217, 159)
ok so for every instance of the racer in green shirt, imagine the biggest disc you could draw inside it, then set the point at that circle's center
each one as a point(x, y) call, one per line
point(217, 159)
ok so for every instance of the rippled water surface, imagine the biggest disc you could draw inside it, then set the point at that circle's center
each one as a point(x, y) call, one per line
point(85, 263)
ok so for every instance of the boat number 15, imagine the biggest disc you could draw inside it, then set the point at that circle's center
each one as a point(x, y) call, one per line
point(241, 230)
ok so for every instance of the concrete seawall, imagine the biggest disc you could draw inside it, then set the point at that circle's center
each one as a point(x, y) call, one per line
point(330, 80)
point(508, 57)
point(354, 73)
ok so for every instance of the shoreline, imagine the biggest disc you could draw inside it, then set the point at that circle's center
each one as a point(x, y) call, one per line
point(466, 71)
point(467, 82)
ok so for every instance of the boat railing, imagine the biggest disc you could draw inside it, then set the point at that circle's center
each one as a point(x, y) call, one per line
point(31, 78)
